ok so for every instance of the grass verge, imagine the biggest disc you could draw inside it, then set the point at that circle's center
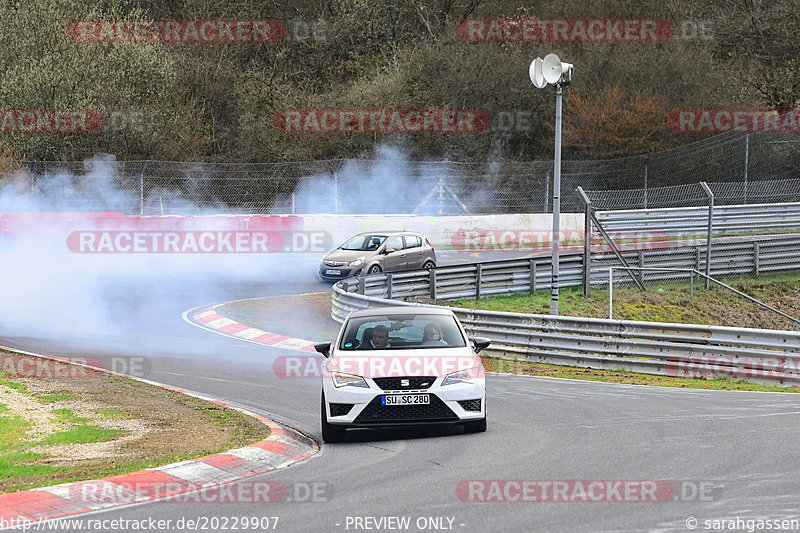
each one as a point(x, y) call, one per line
point(57, 430)
point(668, 302)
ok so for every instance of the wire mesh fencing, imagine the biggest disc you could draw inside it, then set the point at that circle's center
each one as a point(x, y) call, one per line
point(741, 168)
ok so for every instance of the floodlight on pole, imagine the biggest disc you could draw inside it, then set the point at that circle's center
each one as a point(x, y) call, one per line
point(544, 72)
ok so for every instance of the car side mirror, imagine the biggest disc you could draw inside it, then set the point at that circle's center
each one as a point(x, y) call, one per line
point(389, 250)
point(480, 343)
point(324, 348)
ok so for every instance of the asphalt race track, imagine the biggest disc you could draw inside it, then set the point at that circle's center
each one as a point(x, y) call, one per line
point(726, 455)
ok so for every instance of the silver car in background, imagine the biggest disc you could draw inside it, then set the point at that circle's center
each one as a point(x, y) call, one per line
point(376, 252)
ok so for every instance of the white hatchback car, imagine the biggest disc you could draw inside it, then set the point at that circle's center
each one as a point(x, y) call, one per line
point(404, 365)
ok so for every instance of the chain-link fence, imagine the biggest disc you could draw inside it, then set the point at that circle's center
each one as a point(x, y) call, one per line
point(741, 168)
point(744, 224)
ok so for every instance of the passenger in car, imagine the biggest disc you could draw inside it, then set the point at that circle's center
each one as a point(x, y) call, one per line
point(432, 336)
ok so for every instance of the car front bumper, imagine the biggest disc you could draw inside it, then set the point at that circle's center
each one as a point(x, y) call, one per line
point(452, 404)
point(344, 272)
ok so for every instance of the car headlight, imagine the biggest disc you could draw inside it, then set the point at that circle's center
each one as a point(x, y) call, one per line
point(340, 379)
point(356, 262)
point(462, 376)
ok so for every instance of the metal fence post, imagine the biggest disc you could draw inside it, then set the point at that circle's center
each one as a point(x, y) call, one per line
point(697, 258)
point(645, 182)
point(478, 276)
point(141, 188)
point(388, 286)
point(362, 286)
point(710, 195)
point(746, 161)
point(432, 277)
point(336, 186)
point(641, 265)
point(756, 265)
point(442, 185)
point(533, 276)
point(611, 293)
point(32, 172)
point(587, 241)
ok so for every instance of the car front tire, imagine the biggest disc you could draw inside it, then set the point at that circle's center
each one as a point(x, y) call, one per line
point(330, 433)
point(375, 269)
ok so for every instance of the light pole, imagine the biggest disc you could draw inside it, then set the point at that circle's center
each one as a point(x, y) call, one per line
point(544, 72)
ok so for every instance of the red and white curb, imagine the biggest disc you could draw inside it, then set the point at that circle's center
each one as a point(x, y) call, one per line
point(282, 448)
point(207, 318)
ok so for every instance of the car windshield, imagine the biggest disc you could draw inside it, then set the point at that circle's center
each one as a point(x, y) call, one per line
point(364, 242)
point(402, 332)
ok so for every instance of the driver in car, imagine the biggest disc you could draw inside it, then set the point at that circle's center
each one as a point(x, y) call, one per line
point(380, 338)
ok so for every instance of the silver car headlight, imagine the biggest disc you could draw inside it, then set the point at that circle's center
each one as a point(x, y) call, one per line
point(340, 379)
point(462, 376)
point(356, 262)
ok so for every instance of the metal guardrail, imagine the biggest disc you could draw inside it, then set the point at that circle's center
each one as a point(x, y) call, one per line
point(678, 350)
point(764, 356)
point(752, 255)
point(727, 219)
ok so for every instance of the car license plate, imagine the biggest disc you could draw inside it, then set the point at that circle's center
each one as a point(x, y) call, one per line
point(334, 272)
point(406, 399)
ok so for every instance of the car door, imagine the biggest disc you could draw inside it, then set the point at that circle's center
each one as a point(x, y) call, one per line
point(415, 254)
point(396, 260)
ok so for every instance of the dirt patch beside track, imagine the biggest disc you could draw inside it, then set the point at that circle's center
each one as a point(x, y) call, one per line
point(91, 424)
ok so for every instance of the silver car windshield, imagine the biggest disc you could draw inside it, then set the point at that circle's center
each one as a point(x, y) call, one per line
point(364, 242)
point(407, 332)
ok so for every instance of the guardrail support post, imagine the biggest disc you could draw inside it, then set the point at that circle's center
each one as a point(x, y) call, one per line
point(533, 276)
point(362, 286)
point(432, 273)
point(710, 195)
point(388, 286)
point(478, 275)
point(756, 265)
